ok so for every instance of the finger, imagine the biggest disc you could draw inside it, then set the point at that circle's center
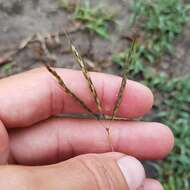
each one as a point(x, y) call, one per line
point(59, 139)
point(151, 184)
point(4, 145)
point(105, 171)
point(34, 96)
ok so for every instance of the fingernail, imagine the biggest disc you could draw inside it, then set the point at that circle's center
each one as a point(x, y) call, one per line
point(132, 171)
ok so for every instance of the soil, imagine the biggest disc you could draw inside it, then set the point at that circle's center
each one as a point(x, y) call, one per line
point(20, 19)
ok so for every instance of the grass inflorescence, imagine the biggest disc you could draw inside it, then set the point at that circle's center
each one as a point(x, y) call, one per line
point(46, 59)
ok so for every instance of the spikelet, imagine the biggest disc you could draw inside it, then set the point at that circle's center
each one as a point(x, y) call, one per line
point(46, 61)
point(67, 90)
point(124, 78)
point(85, 72)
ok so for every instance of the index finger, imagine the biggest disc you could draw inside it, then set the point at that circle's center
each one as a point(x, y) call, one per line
point(35, 96)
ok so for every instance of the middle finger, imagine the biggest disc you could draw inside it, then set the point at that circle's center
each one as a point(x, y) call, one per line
point(58, 139)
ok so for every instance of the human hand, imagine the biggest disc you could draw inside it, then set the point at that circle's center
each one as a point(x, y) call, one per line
point(30, 135)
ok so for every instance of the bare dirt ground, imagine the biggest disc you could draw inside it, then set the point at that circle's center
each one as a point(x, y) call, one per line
point(20, 19)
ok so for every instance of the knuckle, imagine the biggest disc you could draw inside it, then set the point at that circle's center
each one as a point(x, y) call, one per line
point(98, 171)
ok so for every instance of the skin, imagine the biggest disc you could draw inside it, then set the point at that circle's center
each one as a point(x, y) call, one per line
point(30, 135)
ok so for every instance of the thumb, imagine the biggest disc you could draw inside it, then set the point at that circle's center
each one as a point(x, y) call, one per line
point(95, 172)
point(99, 172)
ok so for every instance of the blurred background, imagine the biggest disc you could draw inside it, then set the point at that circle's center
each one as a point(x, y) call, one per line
point(102, 31)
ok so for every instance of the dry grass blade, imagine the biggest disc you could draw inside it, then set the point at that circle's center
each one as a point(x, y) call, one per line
point(82, 64)
point(124, 79)
point(8, 57)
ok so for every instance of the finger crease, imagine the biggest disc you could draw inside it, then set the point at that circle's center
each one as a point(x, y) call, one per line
point(92, 173)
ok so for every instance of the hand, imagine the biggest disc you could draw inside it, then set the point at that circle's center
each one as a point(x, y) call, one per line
point(30, 135)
